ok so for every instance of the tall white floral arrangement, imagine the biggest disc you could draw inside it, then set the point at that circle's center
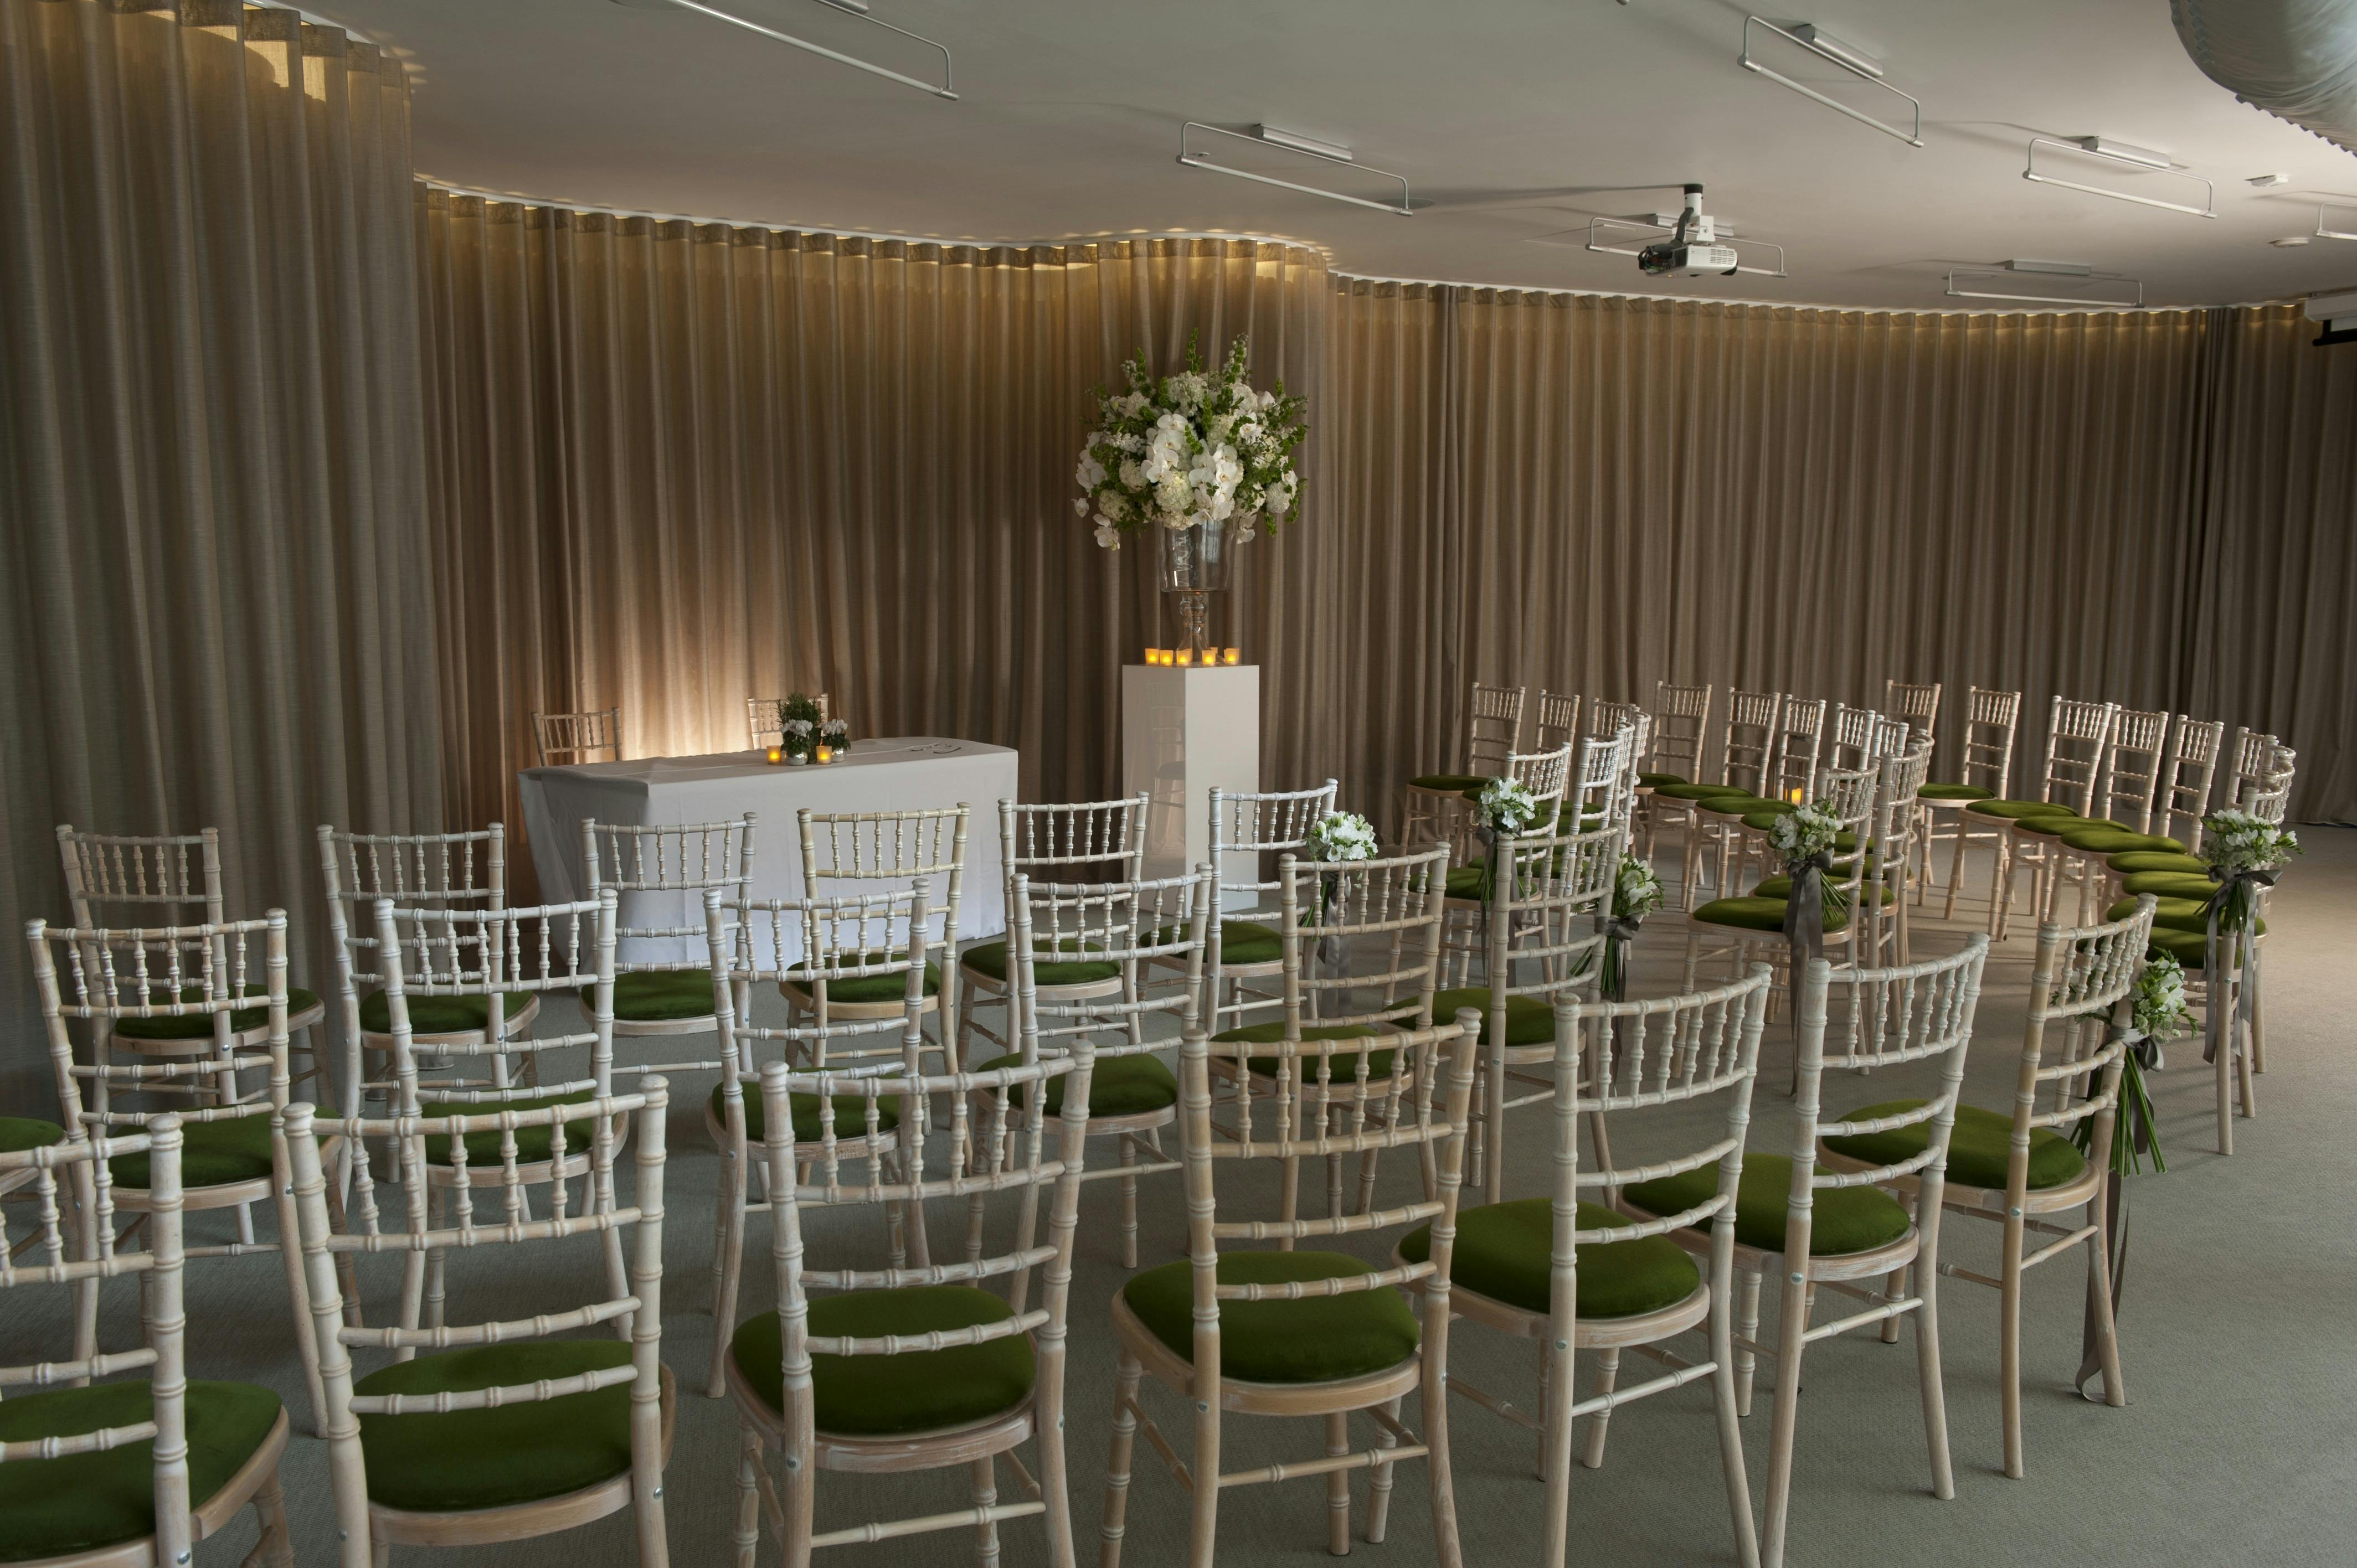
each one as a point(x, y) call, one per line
point(1190, 448)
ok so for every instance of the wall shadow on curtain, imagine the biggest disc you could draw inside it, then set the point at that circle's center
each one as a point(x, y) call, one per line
point(217, 603)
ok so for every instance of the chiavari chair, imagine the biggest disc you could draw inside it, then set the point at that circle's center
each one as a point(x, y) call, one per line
point(129, 1473)
point(1675, 750)
point(1256, 823)
point(1133, 1094)
point(1340, 1013)
point(567, 739)
point(1083, 841)
point(909, 1368)
point(1546, 777)
point(489, 1431)
point(2019, 1167)
point(2127, 795)
point(2178, 814)
point(2078, 739)
point(1816, 1229)
point(1493, 727)
point(2246, 765)
point(1713, 813)
point(1576, 1275)
point(872, 942)
point(1918, 705)
point(233, 1139)
point(1991, 721)
point(663, 869)
point(864, 852)
point(765, 718)
point(1559, 719)
point(1290, 1330)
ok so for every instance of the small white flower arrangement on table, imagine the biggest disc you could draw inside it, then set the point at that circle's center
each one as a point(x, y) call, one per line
point(837, 734)
point(1189, 450)
point(798, 741)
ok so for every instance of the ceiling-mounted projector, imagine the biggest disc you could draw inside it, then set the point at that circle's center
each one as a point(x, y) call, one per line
point(2337, 314)
point(1693, 250)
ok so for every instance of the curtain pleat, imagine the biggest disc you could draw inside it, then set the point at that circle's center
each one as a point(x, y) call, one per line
point(217, 607)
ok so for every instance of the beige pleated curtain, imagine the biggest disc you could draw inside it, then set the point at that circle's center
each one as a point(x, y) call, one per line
point(216, 590)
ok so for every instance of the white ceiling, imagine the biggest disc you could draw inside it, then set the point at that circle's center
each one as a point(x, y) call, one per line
point(1514, 122)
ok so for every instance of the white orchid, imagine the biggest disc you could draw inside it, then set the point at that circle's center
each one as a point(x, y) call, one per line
point(1193, 448)
point(1108, 536)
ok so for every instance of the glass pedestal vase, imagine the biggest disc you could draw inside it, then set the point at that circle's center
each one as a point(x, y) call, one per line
point(1195, 566)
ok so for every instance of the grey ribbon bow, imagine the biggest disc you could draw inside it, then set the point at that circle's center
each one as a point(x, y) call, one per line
point(1805, 909)
point(1619, 931)
point(2233, 909)
point(1333, 951)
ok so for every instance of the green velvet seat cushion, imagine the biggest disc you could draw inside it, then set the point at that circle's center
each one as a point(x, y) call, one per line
point(1842, 1219)
point(1529, 1021)
point(2135, 860)
point(75, 1503)
point(1756, 914)
point(533, 1145)
point(1736, 805)
point(990, 959)
point(1249, 942)
point(2174, 914)
point(917, 1390)
point(2016, 810)
point(850, 1115)
point(2190, 948)
point(1469, 883)
point(1698, 791)
point(1375, 1066)
point(2117, 840)
point(212, 1154)
point(1450, 783)
point(1314, 1339)
point(2170, 885)
point(2054, 824)
point(1977, 1147)
point(437, 1014)
point(1954, 792)
point(1119, 1086)
point(1504, 1252)
point(1655, 781)
point(449, 1462)
point(199, 1025)
point(1779, 887)
point(657, 995)
point(1772, 808)
point(867, 987)
point(20, 1134)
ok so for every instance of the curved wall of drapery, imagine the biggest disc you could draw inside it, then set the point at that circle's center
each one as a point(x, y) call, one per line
point(214, 577)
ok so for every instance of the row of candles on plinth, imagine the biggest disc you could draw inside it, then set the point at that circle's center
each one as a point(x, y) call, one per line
point(1184, 657)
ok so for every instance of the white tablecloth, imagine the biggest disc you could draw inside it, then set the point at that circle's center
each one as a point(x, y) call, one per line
point(886, 775)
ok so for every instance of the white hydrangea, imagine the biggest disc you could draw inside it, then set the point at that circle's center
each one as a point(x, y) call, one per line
point(1343, 836)
point(1194, 448)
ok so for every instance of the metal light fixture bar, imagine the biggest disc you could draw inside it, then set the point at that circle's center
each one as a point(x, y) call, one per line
point(1664, 230)
point(2090, 148)
point(1198, 160)
point(1913, 138)
point(2324, 233)
point(1979, 273)
point(944, 89)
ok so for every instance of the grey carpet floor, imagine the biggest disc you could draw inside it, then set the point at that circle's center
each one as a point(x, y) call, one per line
point(2239, 1444)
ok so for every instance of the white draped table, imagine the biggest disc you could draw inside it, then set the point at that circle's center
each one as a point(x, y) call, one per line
point(887, 774)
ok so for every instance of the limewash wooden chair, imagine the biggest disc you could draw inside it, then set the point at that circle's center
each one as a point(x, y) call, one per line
point(1543, 930)
point(920, 1367)
point(1750, 929)
point(1255, 824)
point(1814, 1229)
point(1558, 721)
point(1289, 1331)
point(232, 1138)
point(2018, 1168)
point(765, 718)
point(2078, 739)
point(866, 943)
point(1918, 706)
point(1574, 1275)
point(869, 851)
point(1493, 727)
point(1714, 812)
point(1133, 1094)
point(1085, 841)
point(129, 1473)
point(495, 1430)
point(564, 738)
point(666, 996)
point(1992, 720)
point(2127, 789)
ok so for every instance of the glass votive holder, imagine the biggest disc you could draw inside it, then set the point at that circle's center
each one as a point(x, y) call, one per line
point(825, 753)
point(1232, 656)
point(775, 754)
point(1186, 657)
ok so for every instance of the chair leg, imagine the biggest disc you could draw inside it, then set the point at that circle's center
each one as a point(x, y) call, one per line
point(2217, 1010)
point(290, 1254)
point(1792, 1337)
point(986, 1495)
point(1125, 1440)
point(1379, 1484)
point(1128, 1201)
point(437, 1260)
point(2099, 1287)
point(381, 1554)
point(1894, 1285)
point(1338, 1485)
point(1203, 1522)
point(1608, 1374)
point(1928, 1375)
point(749, 1496)
point(1723, 1403)
point(1746, 1327)
point(277, 1548)
point(1956, 872)
point(727, 1266)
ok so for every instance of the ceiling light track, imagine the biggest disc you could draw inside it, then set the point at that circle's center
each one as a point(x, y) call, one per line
point(1806, 35)
point(2016, 269)
point(1660, 230)
point(2324, 233)
point(1324, 152)
point(945, 88)
point(2142, 159)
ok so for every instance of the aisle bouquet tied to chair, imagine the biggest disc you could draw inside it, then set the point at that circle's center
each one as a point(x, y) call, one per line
point(1201, 458)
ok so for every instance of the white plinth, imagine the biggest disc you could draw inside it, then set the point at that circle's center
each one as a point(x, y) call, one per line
point(1183, 732)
